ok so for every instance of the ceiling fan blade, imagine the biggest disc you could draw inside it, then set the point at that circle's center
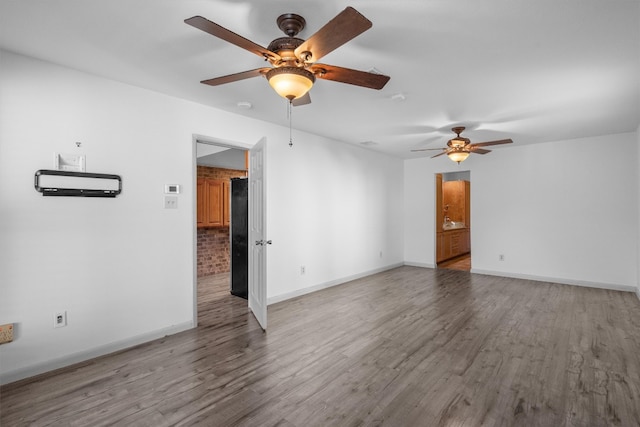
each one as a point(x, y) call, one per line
point(498, 142)
point(439, 154)
point(349, 76)
point(428, 149)
point(345, 26)
point(479, 150)
point(216, 30)
point(235, 77)
point(303, 100)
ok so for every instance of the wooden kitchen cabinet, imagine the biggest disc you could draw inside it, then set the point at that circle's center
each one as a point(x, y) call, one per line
point(212, 203)
point(226, 200)
point(452, 243)
point(200, 204)
point(439, 246)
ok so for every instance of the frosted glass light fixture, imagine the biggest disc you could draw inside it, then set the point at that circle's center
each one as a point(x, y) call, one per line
point(290, 82)
point(458, 155)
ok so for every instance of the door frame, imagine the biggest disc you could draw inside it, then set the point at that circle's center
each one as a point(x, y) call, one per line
point(204, 139)
point(440, 216)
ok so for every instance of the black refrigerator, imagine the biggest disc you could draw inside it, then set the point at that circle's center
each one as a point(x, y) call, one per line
point(239, 236)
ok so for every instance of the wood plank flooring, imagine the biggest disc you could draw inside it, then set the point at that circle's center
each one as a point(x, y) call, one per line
point(407, 347)
point(462, 263)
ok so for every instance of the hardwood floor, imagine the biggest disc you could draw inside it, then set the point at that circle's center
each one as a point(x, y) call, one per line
point(407, 347)
point(462, 263)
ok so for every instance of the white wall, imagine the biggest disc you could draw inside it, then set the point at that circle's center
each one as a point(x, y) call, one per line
point(332, 208)
point(565, 211)
point(123, 268)
point(638, 195)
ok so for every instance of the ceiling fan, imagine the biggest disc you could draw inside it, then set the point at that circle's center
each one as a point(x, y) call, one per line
point(459, 148)
point(293, 68)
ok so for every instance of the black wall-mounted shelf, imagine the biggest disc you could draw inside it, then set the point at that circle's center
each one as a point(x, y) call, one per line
point(107, 191)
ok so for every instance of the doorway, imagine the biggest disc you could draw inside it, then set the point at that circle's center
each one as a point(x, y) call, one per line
point(217, 165)
point(256, 200)
point(453, 220)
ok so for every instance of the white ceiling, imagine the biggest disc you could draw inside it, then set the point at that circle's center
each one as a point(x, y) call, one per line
point(534, 71)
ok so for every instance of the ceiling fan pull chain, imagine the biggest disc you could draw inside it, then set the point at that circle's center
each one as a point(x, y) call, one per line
point(289, 114)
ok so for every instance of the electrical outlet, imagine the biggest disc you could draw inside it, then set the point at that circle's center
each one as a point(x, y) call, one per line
point(303, 270)
point(60, 319)
point(380, 254)
point(501, 257)
point(6, 333)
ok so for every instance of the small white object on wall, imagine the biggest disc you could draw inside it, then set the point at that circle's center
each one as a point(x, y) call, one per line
point(171, 189)
point(170, 202)
point(69, 162)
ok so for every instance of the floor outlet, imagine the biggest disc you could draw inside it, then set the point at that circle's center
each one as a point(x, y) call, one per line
point(60, 319)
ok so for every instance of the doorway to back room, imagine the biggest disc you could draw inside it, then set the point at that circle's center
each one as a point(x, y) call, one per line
point(221, 174)
point(453, 220)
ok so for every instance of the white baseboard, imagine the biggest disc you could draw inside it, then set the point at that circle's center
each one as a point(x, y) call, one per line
point(419, 264)
point(325, 285)
point(583, 283)
point(50, 365)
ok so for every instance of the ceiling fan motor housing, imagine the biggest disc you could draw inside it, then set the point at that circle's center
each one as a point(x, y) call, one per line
point(285, 47)
point(458, 142)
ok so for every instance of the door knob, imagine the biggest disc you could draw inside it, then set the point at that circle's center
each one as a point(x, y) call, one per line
point(268, 242)
point(259, 242)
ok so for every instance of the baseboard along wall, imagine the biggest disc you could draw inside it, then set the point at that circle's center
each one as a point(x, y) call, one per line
point(319, 287)
point(586, 284)
point(82, 356)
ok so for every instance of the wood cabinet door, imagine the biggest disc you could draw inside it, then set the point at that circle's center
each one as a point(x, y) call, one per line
point(213, 195)
point(446, 245)
point(439, 206)
point(456, 243)
point(467, 241)
point(201, 203)
point(226, 203)
point(467, 203)
point(439, 247)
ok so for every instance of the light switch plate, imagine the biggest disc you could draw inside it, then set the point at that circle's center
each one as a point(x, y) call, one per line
point(6, 333)
point(171, 202)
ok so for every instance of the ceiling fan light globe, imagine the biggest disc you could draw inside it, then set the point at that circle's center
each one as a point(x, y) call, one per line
point(458, 156)
point(290, 82)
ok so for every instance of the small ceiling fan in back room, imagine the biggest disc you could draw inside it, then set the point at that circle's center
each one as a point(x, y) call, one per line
point(293, 68)
point(459, 148)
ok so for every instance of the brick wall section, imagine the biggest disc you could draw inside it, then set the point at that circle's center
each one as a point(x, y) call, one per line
point(213, 242)
point(213, 250)
point(217, 173)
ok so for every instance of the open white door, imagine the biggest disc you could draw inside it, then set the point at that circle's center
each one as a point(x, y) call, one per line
point(257, 234)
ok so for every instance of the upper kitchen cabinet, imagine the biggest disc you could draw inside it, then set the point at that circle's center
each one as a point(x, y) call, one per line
point(213, 202)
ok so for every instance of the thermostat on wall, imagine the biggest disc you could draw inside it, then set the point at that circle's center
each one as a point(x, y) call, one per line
point(172, 189)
